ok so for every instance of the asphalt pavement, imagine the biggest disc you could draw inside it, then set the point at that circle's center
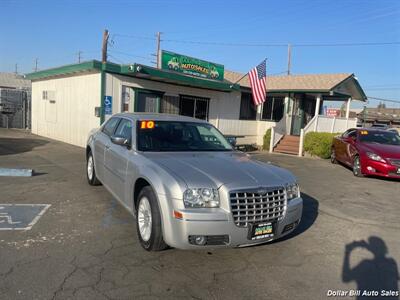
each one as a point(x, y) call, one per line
point(84, 245)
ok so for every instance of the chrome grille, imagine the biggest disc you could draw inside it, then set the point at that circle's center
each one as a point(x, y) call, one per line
point(251, 206)
point(395, 161)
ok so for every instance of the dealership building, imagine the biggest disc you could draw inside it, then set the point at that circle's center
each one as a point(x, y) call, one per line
point(69, 101)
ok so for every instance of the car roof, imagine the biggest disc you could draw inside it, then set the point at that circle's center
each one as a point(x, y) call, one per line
point(158, 117)
point(371, 129)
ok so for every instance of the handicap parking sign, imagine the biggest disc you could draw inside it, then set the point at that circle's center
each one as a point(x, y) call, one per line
point(20, 216)
point(108, 105)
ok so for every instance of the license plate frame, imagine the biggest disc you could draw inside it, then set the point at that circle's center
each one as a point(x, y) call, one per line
point(260, 231)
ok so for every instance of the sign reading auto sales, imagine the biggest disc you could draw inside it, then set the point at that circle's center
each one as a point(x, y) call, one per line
point(191, 66)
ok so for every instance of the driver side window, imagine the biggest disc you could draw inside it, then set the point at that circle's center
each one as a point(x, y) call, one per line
point(124, 129)
point(109, 128)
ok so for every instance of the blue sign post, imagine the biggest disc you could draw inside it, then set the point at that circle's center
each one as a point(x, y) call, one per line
point(108, 105)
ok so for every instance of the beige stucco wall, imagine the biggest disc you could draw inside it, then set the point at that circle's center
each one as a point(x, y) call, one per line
point(72, 114)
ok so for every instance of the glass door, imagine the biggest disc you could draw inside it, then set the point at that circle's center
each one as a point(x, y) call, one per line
point(297, 117)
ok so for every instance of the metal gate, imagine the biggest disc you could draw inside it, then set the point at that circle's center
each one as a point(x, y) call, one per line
point(15, 108)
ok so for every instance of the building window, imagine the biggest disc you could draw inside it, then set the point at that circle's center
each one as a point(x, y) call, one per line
point(169, 105)
point(195, 107)
point(147, 101)
point(273, 109)
point(248, 111)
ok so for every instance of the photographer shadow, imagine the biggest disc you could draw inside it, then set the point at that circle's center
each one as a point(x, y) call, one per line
point(377, 274)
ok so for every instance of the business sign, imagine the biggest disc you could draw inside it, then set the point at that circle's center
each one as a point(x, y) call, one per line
point(108, 105)
point(332, 112)
point(191, 66)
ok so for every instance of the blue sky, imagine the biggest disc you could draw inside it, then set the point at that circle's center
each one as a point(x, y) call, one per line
point(54, 32)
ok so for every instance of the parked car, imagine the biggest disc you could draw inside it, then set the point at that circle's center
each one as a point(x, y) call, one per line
point(368, 151)
point(380, 126)
point(187, 186)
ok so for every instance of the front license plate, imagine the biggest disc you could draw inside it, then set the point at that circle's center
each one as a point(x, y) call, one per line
point(398, 170)
point(261, 231)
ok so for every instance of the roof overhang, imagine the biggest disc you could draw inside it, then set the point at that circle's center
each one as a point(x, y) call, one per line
point(146, 72)
point(351, 88)
point(134, 70)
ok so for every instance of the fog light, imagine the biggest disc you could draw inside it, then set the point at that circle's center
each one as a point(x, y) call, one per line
point(371, 169)
point(200, 240)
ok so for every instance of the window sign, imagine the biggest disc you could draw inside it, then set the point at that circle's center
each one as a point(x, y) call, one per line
point(108, 105)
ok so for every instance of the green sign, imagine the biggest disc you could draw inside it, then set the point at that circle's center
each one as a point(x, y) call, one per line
point(191, 66)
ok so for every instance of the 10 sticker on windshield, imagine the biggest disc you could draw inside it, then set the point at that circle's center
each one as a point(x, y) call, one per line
point(20, 216)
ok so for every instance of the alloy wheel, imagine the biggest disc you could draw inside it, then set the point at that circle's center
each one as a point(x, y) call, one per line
point(90, 167)
point(144, 219)
point(357, 166)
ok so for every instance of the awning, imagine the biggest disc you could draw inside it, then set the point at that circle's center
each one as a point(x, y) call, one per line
point(146, 72)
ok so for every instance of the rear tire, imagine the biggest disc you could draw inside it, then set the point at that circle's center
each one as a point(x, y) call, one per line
point(148, 221)
point(91, 171)
point(357, 167)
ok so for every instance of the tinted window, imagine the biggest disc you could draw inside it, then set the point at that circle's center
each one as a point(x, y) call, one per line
point(124, 129)
point(349, 133)
point(110, 126)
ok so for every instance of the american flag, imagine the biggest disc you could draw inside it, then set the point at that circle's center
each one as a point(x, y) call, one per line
point(257, 78)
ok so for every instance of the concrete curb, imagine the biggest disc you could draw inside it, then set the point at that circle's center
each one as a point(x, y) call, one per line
point(16, 172)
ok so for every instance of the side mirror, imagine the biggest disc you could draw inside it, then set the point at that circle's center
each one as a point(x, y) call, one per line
point(231, 140)
point(120, 140)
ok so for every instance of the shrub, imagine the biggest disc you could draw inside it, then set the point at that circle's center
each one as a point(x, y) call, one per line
point(267, 138)
point(319, 143)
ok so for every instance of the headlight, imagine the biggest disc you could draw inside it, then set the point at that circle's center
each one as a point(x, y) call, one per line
point(292, 191)
point(201, 197)
point(375, 157)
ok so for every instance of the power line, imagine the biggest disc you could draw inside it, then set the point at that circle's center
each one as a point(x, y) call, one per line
point(261, 44)
point(129, 54)
point(383, 99)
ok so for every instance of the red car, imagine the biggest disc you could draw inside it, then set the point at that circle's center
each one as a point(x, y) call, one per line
point(369, 151)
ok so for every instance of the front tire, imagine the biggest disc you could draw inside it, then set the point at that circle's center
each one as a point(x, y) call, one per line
point(357, 167)
point(91, 171)
point(333, 156)
point(148, 221)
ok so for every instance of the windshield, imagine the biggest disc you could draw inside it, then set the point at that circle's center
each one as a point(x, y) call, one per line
point(379, 137)
point(179, 136)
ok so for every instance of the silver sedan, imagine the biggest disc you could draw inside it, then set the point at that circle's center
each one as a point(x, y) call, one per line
point(187, 186)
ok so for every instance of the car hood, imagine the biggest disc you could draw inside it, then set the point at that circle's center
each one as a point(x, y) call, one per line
point(214, 169)
point(385, 151)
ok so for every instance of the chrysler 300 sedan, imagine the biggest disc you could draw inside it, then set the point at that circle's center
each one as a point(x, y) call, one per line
point(187, 186)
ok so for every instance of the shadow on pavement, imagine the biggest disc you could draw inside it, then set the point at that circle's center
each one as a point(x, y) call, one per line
point(310, 214)
point(9, 146)
point(372, 275)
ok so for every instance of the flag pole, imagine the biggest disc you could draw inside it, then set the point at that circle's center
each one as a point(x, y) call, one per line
point(231, 86)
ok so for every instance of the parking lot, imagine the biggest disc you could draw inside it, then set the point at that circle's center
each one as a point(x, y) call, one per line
point(84, 246)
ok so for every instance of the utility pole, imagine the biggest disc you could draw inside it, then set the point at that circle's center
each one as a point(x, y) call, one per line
point(158, 54)
point(16, 69)
point(104, 46)
point(289, 59)
point(79, 56)
point(36, 65)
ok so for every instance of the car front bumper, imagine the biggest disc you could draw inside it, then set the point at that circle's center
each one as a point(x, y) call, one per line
point(376, 168)
point(218, 225)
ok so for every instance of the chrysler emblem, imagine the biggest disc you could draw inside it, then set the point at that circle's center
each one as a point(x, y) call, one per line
point(262, 191)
